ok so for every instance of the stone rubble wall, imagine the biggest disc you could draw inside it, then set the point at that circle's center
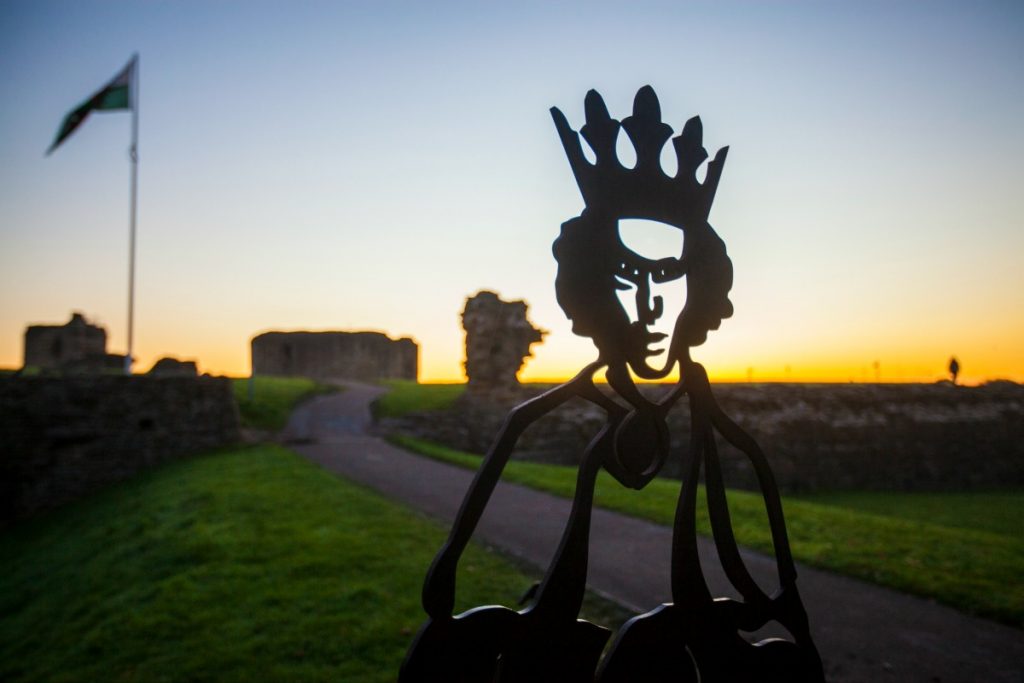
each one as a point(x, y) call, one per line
point(908, 437)
point(62, 438)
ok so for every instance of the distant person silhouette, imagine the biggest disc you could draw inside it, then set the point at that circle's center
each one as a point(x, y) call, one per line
point(954, 368)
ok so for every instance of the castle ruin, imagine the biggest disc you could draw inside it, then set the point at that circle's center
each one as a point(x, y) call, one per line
point(361, 356)
point(498, 340)
point(76, 345)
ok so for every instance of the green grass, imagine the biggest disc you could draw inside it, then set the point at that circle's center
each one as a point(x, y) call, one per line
point(406, 396)
point(973, 566)
point(26, 371)
point(997, 512)
point(244, 565)
point(273, 399)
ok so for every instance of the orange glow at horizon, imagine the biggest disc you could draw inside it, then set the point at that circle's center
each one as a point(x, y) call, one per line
point(986, 350)
point(891, 369)
point(903, 363)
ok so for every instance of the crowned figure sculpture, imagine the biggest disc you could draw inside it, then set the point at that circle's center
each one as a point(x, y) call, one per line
point(610, 292)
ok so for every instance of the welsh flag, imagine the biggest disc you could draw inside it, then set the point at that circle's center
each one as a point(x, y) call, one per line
point(117, 94)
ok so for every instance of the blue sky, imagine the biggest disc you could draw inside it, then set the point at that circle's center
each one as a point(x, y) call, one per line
point(367, 165)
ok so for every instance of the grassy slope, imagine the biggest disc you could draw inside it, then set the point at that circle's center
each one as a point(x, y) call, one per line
point(243, 565)
point(273, 399)
point(997, 512)
point(405, 396)
point(975, 570)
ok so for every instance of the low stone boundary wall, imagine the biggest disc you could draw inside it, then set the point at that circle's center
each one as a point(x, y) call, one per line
point(817, 437)
point(64, 437)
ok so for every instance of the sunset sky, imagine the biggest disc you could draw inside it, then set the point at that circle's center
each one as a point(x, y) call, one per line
point(368, 165)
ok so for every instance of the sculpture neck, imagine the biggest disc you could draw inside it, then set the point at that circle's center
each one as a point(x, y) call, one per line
point(621, 382)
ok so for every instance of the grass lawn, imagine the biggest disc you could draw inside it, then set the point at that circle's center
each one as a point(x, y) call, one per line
point(958, 556)
point(997, 512)
point(243, 565)
point(273, 399)
point(406, 396)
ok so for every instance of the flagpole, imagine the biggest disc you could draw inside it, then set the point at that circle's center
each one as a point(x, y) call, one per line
point(134, 154)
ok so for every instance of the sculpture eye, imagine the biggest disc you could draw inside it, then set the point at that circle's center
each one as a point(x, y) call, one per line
point(667, 270)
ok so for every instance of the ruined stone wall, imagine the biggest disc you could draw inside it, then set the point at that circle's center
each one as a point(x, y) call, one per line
point(52, 347)
point(817, 437)
point(64, 437)
point(362, 356)
point(910, 437)
point(498, 340)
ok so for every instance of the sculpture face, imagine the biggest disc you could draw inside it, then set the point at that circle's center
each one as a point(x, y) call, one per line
point(641, 311)
point(651, 288)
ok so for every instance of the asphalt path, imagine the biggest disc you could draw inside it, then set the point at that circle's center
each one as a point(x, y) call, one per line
point(863, 632)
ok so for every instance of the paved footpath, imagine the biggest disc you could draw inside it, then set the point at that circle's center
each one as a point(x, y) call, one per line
point(864, 633)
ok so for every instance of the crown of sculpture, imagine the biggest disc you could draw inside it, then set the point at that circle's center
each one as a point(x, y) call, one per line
point(644, 191)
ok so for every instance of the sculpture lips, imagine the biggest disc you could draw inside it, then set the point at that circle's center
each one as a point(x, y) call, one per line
point(653, 338)
point(644, 338)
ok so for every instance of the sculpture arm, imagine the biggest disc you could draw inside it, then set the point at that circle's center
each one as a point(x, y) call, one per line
point(735, 435)
point(712, 419)
point(439, 586)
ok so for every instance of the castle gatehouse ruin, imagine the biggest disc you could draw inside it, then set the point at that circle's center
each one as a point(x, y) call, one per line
point(77, 345)
point(363, 356)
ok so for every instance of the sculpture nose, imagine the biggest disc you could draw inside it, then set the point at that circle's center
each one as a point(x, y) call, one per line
point(648, 309)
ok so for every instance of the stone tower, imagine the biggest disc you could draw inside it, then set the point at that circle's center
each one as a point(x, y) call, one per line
point(498, 340)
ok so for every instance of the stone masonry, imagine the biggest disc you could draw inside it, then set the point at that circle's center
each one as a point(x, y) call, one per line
point(64, 437)
point(55, 347)
point(498, 340)
point(817, 437)
point(362, 356)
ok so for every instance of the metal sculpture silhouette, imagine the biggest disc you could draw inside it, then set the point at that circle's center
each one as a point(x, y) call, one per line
point(696, 636)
